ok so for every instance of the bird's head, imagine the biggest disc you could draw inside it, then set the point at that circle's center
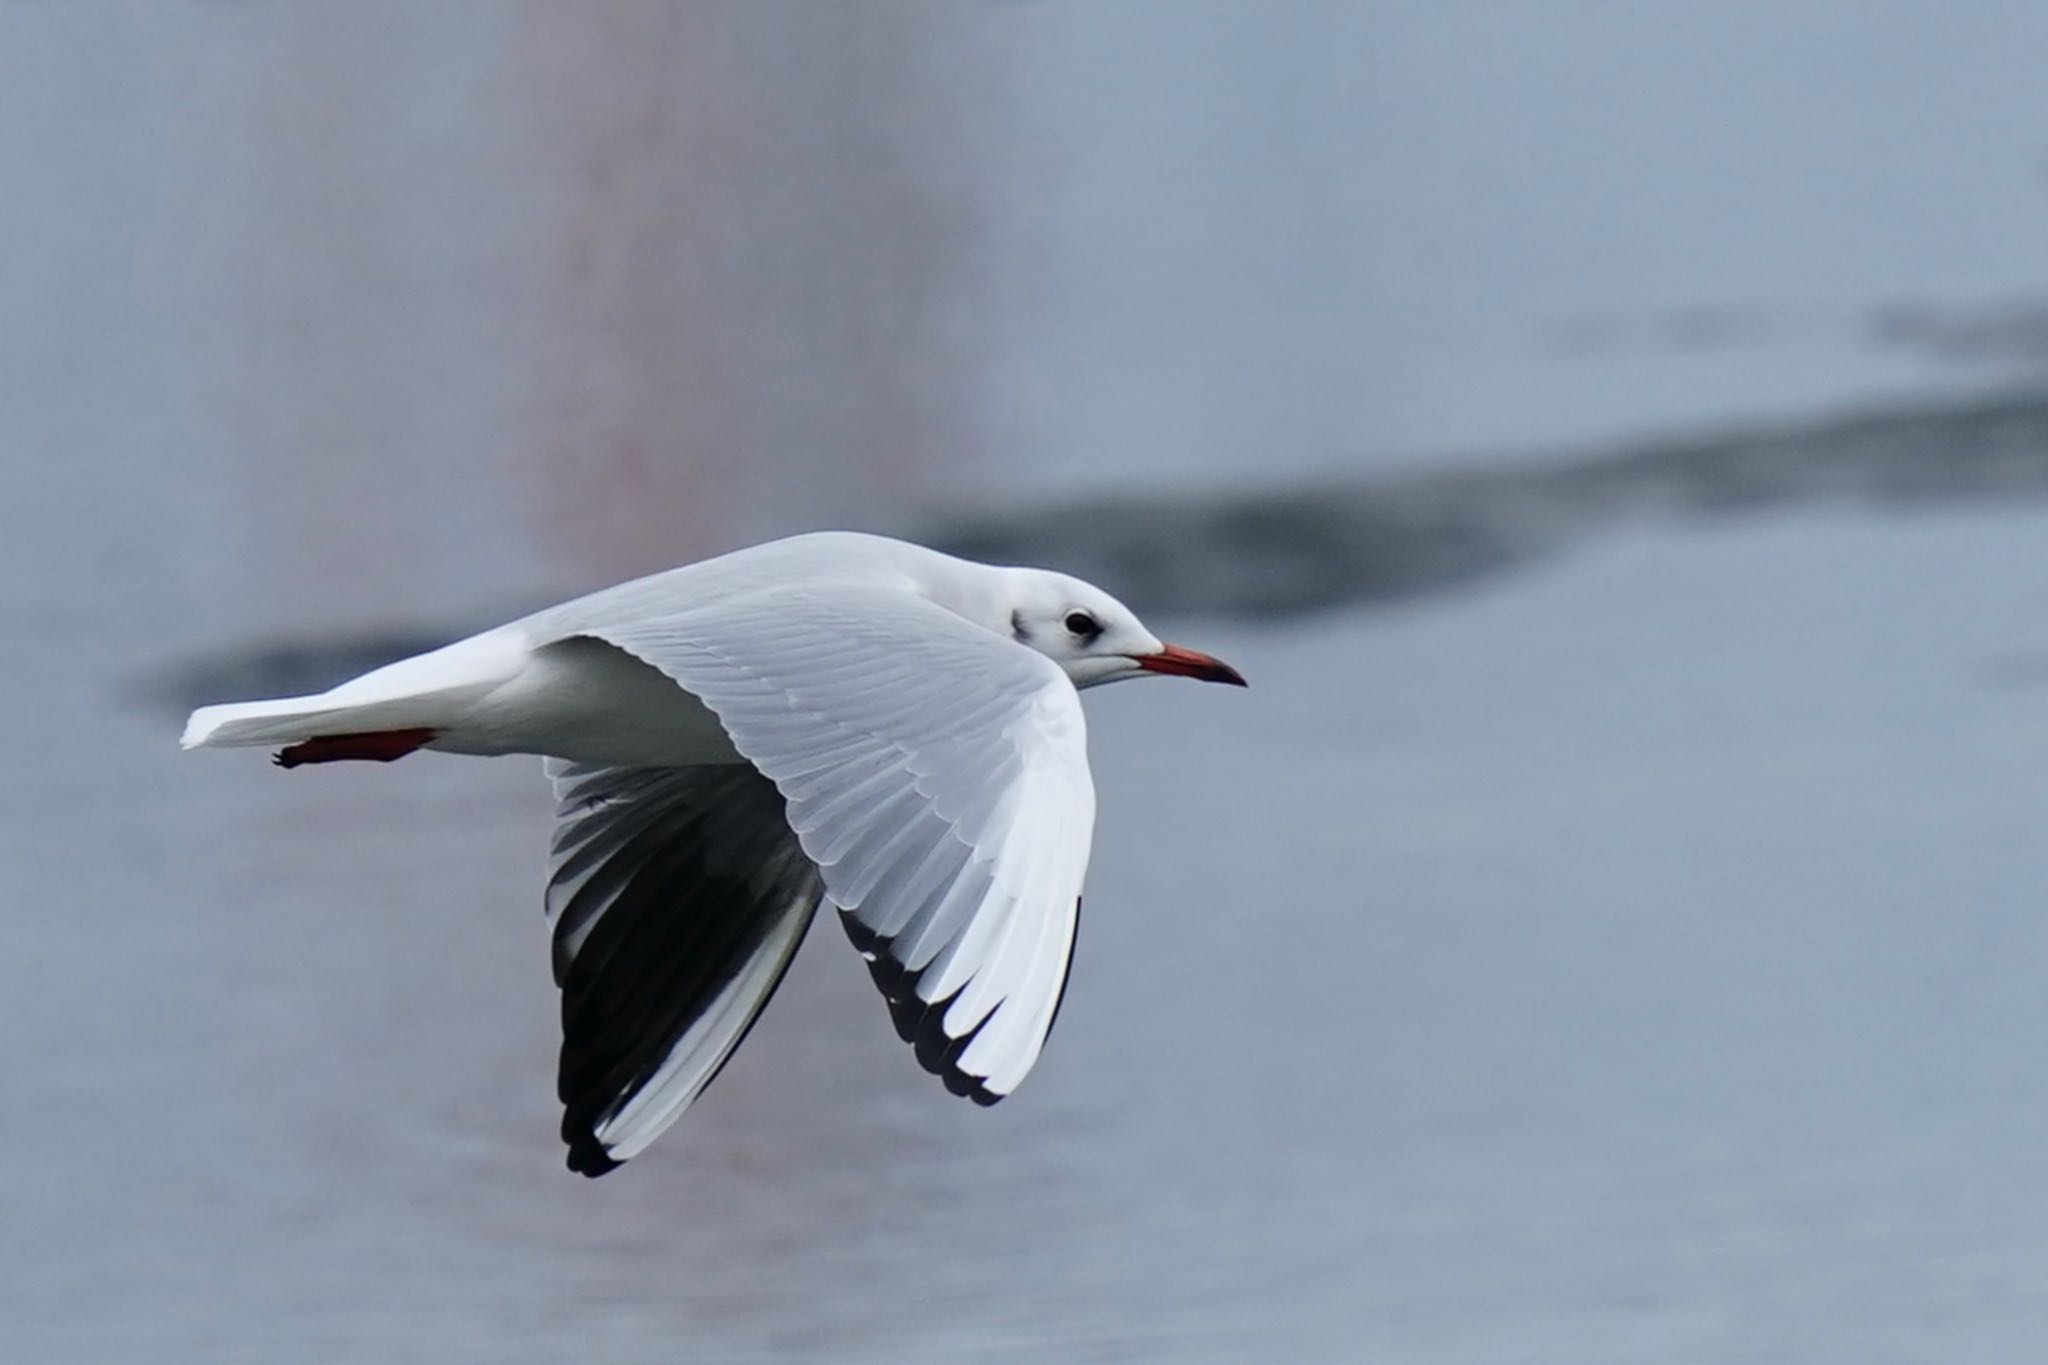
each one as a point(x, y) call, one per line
point(1095, 638)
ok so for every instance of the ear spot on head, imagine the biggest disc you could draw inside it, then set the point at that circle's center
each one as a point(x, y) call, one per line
point(1017, 626)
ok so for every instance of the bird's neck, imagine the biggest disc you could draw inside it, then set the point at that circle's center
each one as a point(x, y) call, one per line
point(978, 593)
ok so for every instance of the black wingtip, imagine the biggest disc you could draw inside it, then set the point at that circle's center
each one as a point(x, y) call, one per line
point(587, 1157)
point(919, 1022)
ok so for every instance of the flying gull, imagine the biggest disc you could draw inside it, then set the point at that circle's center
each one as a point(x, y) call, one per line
point(836, 716)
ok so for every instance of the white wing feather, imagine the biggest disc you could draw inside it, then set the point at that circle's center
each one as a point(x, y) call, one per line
point(936, 773)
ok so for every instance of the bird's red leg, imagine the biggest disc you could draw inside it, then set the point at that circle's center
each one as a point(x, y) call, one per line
point(380, 746)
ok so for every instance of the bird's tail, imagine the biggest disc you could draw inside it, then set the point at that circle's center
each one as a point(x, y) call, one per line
point(423, 693)
point(293, 720)
point(282, 721)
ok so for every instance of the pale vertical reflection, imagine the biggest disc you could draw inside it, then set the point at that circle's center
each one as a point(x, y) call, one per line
point(761, 283)
point(368, 244)
point(532, 294)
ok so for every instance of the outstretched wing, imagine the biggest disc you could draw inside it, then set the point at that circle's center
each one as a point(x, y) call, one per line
point(677, 897)
point(936, 774)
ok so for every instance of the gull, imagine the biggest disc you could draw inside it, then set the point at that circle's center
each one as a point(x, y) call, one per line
point(834, 716)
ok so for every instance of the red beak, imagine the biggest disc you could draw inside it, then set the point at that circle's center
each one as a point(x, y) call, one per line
point(1187, 663)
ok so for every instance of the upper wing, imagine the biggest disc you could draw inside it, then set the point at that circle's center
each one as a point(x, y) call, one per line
point(936, 774)
point(677, 897)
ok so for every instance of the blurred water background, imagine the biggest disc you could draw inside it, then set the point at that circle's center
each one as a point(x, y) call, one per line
point(1611, 438)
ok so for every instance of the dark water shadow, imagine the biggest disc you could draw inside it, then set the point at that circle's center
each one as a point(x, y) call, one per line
point(1291, 552)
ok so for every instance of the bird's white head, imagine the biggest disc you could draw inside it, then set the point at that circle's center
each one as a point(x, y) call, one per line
point(1092, 636)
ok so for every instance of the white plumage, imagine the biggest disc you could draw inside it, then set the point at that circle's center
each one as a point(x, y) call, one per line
point(834, 714)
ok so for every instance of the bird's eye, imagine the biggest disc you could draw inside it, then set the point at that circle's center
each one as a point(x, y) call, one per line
point(1083, 625)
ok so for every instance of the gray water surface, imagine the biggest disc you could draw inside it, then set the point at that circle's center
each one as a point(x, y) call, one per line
point(1608, 929)
point(1638, 959)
